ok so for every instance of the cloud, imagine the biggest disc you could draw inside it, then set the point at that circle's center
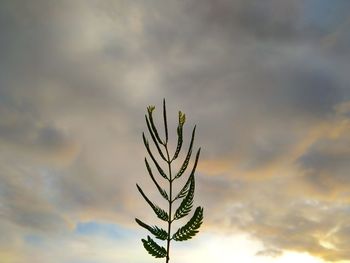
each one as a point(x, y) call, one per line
point(269, 97)
point(325, 163)
point(269, 253)
point(303, 208)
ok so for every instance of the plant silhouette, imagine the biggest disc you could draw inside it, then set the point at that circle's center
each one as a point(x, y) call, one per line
point(186, 194)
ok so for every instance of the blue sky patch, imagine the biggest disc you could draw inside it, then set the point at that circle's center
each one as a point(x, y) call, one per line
point(33, 239)
point(109, 230)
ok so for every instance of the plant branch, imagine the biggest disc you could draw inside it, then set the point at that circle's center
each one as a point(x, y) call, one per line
point(170, 203)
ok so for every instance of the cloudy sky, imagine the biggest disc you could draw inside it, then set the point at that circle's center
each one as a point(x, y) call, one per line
point(266, 82)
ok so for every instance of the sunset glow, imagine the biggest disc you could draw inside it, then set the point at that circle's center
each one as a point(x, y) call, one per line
point(266, 82)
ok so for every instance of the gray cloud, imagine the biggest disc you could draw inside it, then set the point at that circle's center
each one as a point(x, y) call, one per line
point(326, 163)
point(258, 79)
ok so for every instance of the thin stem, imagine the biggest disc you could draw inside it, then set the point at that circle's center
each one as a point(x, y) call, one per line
point(170, 202)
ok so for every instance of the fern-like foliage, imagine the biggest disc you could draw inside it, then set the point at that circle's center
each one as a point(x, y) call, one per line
point(191, 228)
point(153, 248)
point(187, 202)
point(156, 231)
point(156, 142)
point(159, 212)
point(185, 189)
point(186, 193)
point(188, 156)
point(161, 190)
point(160, 170)
point(182, 119)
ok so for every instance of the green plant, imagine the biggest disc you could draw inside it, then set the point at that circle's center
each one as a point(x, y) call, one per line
point(186, 194)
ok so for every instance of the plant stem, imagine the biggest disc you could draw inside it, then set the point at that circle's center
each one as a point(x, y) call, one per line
point(170, 203)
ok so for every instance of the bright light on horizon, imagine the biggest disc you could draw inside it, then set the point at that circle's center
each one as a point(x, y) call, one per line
point(235, 248)
point(292, 257)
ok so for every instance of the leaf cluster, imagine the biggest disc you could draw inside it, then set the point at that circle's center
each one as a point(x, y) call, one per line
point(186, 194)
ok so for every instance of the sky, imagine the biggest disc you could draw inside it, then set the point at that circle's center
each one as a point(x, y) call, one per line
point(266, 83)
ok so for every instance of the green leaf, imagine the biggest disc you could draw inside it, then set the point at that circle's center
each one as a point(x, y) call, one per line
point(153, 248)
point(157, 232)
point(191, 228)
point(188, 157)
point(155, 140)
point(150, 111)
point(184, 190)
point(159, 212)
point(160, 170)
point(161, 191)
point(187, 203)
point(182, 119)
point(165, 122)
